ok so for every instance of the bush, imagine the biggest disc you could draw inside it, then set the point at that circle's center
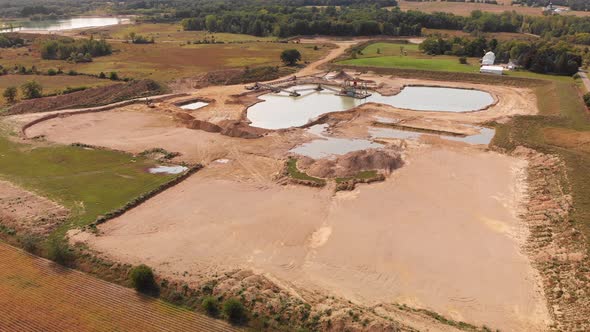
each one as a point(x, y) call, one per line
point(113, 76)
point(463, 60)
point(32, 90)
point(211, 306)
point(29, 243)
point(59, 252)
point(10, 94)
point(234, 311)
point(143, 280)
point(587, 99)
point(102, 75)
point(51, 72)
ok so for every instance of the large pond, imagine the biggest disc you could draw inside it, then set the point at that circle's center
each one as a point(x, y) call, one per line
point(67, 24)
point(279, 110)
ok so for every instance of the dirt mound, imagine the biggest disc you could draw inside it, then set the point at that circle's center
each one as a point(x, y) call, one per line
point(204, 125)
point(352, 163)
point(91, 97)
point(241, 129)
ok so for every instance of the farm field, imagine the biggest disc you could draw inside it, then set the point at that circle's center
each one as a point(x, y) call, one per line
point(38, 295)
point(172, 32)
point(53, 84)
point(89, 182)
point(465, 9)
point(167, 61)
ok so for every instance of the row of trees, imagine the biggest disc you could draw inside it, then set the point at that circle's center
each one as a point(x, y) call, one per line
point(7, 40)
point(74, 50)
point(538, 56)
point(29, 90)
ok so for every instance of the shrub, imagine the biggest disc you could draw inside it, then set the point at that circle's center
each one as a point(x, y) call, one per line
point(10, 94)
point(290, 57)
point(32, 90)
point(51, 72)
point(59, 252)
point(234, 311)
point(72, 72)
point(113, 76)
point(463, 60)
point(29, 243)
point(211, 306)
point(587, 99)
point(102, 75)
point(143, 280)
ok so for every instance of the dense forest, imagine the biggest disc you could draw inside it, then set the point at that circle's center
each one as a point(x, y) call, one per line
point(537, 56)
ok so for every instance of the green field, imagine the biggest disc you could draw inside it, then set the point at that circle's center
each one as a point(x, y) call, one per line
point(295, 173)
point(89, 182)
point(389, 55)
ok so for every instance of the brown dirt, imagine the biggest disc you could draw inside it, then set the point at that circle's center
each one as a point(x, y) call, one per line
point(352, 163)
point(302, 236)
point(25, 211)
point(91, 97)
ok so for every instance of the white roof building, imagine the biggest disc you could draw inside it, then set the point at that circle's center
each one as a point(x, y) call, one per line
point(488, 59)
point(497, 70)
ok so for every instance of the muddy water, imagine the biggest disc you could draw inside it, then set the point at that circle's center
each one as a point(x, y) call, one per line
point(67, 24)
point(484, 136)
point(327, 146)
point(167, 169)
point(279, 110)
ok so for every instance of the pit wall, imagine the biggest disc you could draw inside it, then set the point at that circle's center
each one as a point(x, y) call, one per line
point(58, 114)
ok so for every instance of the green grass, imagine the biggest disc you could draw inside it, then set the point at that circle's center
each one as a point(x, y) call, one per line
point(89, 182)
point(389, 49)
point(295, 173)
point(363, 175)
point(442, 63)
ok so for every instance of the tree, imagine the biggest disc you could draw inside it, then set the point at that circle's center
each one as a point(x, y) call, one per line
point(143, 280)
point(290, 57)
point(234, 311)
point(10, 94)
point(210, 306)
point(113, 76)
point(32, 90)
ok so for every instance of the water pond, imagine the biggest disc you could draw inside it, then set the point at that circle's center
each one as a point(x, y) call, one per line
point(279, 110)
point(194, 106)
point(484, 137)
point(67, 24)
point(167, 169)
point(326, 146)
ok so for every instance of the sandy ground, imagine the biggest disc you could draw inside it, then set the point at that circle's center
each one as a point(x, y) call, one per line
point(442, 233)
point(460, 256)
point(24, 210)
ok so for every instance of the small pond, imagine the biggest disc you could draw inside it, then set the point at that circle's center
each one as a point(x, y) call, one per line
point(194, 106)
point(484, 137)
point(67, 24)
point(329, 146)
point(167, 169)
point(279, 110)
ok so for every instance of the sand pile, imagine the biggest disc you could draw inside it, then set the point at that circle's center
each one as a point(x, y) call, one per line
point(352, 163)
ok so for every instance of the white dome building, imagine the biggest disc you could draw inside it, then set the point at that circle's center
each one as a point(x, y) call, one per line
point(488, 59)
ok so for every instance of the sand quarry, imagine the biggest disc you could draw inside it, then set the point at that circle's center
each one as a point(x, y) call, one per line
point(443, 232)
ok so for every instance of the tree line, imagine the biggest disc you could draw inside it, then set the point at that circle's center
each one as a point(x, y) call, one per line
point(542, 56)
point(74, 50)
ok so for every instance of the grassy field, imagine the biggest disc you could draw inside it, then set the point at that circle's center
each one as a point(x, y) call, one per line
point(166, 61)
point(89, 182)
point(51, 84)
point(465, 9)
point(39, 296)
point(389, 55)
point(172, 32)
point(502, 36)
